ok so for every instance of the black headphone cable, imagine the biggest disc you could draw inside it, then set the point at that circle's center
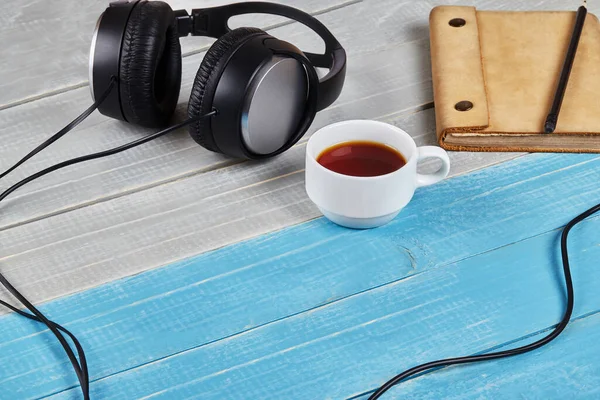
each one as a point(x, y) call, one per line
point(64, 130)
point(519, 350)
point(81, 368)
point(104, 153)
point(79, 365)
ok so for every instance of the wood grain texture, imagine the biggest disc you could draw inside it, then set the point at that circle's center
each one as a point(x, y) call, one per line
point(46, 44)
point(389, 74)
point(567, 367)
point(374, 90)
point(50, 41)
point(108, 240)
point(174, 157)
point(95, 204)
point(354, 306)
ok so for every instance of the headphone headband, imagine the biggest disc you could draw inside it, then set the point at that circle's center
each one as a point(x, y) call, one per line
point(213, 22)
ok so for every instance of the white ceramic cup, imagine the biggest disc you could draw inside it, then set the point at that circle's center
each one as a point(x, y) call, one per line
point(367, 202)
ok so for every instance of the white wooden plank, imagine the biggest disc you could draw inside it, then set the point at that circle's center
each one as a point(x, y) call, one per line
point(45, 44)
point(387, 75)
point(371, 91)
point(83, 246)
point(126, 235)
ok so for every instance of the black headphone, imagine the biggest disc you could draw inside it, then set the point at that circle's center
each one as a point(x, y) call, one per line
point(265, 91)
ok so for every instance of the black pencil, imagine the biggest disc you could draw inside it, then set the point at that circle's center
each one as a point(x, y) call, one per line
point(552, 118)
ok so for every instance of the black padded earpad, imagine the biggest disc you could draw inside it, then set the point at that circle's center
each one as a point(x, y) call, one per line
point(208, 76)
point(150, 67)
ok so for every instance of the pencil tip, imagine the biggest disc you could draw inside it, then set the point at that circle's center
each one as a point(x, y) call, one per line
point(550, 125)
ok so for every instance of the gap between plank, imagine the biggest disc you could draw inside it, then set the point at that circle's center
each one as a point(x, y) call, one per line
point(74, 207)
point(186, 54)
point(409, 111)
point(44, 95)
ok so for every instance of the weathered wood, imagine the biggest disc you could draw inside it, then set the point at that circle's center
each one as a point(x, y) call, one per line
point(91, 245)
point(333, 311)
point(50, 41)
point(166, 160)
point(370, 93)
point(566, 368)
point(366, 95)
point(29, 124)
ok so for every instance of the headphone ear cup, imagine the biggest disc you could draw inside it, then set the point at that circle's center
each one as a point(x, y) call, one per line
point(207, 78)
point(150, 66)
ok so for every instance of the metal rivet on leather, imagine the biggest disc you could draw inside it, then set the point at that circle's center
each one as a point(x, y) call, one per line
point(457, 22)
point(464, 105)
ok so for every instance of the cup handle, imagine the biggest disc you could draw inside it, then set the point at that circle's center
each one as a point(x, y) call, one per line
point(433, 152)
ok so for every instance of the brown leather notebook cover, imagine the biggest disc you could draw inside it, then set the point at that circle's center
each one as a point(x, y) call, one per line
point(507, 64)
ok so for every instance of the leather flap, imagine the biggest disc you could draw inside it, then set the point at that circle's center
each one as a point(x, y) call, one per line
point(457, 68)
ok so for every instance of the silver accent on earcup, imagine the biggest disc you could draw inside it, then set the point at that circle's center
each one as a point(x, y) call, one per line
point(274, 105)
point(92, 53)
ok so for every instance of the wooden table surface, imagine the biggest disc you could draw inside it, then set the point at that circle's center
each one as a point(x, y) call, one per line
point(186, 274)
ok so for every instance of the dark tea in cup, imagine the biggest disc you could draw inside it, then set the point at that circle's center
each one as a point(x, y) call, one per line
point(361, 174)
point(361, 158)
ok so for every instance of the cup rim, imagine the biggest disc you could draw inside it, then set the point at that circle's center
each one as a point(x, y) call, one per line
point(351, 121)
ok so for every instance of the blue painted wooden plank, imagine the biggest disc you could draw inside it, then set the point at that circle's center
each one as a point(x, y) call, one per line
point(568, 365)
point(186, 305)
point(345, 348)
